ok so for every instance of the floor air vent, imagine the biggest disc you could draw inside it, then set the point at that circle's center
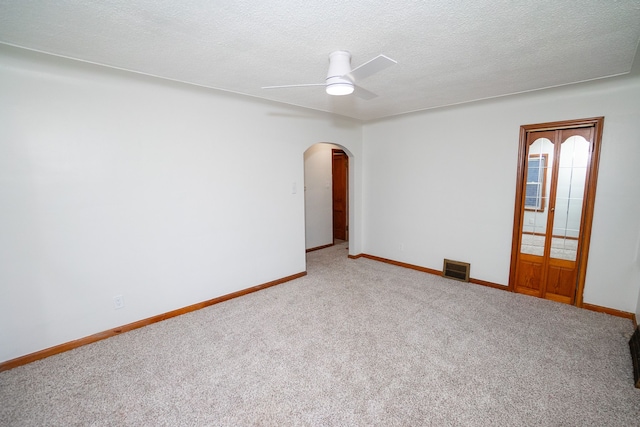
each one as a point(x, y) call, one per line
point(634, 345)
point(456, 270)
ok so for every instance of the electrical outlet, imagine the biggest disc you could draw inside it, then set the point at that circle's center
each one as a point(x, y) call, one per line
point(118, 302)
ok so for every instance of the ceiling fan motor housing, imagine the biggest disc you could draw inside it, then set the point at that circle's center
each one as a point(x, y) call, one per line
point(339, 66)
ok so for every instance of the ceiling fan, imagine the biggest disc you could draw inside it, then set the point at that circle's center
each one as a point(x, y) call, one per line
point(341, 79)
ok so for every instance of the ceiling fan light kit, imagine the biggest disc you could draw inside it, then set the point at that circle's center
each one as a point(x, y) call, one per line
point(340, 88)
point(339, 67)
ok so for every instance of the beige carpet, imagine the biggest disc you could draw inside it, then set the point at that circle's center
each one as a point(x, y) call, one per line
point(354, 343)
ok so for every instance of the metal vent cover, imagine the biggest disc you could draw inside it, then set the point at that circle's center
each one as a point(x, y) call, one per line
point(456, 270)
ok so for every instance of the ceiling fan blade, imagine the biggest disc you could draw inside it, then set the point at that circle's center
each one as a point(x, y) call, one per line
point(371, 67)
point(363, 93)
point(301, 85)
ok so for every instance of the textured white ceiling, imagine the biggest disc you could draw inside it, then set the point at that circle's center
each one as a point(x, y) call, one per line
point(448, 52)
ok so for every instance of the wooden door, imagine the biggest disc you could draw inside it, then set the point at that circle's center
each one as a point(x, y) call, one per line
point(340, 174)
point(557, 175)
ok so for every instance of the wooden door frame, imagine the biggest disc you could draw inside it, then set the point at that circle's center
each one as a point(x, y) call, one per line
point(587, 219)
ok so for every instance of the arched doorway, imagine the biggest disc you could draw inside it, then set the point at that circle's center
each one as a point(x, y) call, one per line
point(328, 195)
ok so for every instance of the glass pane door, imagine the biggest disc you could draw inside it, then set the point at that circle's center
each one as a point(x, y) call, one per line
point(536, 198)
point(572, 174)
point(554, 209)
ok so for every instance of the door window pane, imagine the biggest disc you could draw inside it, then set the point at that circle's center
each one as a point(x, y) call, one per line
point(538, 180)
point(572, 173)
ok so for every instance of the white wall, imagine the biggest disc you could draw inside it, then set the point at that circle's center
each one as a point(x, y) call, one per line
point(441, 184)
point(114, 183)
point(318, 195)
